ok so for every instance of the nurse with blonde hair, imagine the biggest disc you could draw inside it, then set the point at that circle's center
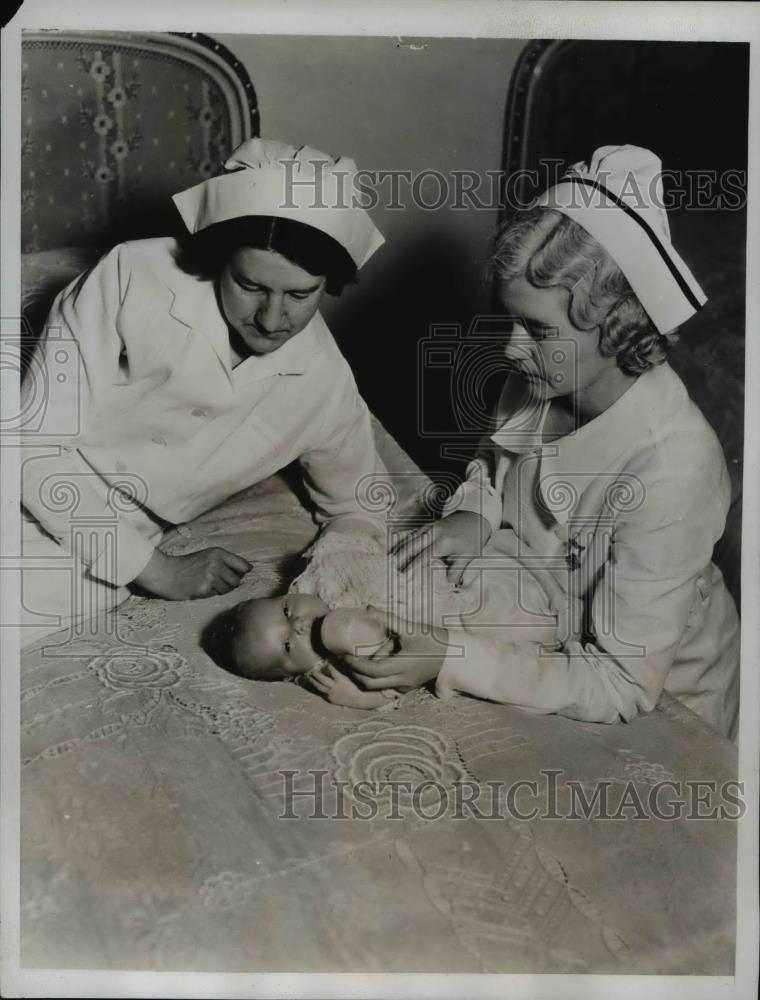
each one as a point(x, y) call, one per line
point(602, 478)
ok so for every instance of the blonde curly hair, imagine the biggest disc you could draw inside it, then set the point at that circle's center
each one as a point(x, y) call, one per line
point(551, 250)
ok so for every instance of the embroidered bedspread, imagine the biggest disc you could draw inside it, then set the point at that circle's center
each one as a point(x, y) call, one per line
point(154, 785)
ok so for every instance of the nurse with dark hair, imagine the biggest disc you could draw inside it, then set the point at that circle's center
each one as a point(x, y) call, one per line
point(203, 367)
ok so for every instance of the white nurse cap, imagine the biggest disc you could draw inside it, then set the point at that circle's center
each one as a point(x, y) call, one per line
point(617, 198)
point(264, 177)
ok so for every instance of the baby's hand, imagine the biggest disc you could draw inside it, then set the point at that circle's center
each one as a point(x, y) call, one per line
point(339, 689)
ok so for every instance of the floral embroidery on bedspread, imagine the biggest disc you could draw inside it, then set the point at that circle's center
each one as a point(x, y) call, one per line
point(142, 690)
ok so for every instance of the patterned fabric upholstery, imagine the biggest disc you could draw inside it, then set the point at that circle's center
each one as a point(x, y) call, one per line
point(112, 124)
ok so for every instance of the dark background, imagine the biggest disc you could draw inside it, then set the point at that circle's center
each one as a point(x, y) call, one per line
point(688, 102)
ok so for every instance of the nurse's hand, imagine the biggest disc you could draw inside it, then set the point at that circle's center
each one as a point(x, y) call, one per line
point(455, 539)
point(198, 574)
point(417, 658)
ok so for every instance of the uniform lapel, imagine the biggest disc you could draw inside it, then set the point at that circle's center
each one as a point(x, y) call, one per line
point(195, 306)
point(293, 358)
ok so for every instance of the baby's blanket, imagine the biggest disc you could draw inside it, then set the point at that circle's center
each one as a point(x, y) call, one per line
point(161, 829)
point(355, 570)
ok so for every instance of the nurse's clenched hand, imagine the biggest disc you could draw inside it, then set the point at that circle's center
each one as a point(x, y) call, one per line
point(198, 574)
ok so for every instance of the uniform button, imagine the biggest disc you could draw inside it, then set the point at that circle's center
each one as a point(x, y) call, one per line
point(159, 439)
point(199, 412)
point(121, 467)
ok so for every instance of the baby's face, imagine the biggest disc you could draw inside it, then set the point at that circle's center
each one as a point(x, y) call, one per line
point(277, 634)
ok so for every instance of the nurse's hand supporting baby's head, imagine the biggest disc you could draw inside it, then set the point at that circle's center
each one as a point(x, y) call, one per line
point(269, 639)
point(280, 638)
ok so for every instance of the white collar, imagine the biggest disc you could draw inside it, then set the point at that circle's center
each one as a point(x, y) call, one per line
point(603, 445)
point(196, 306)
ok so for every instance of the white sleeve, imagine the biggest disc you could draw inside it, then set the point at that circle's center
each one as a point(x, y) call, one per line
point(77, 354)
point(343, 461)
point(638, 612)
point(478, 493)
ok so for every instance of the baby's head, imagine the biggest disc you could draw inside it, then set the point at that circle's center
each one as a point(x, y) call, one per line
point(269, 638)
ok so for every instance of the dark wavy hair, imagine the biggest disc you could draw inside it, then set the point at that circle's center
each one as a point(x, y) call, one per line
point(551, 250)
point(206, 252)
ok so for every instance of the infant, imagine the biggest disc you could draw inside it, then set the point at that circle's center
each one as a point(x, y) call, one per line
point(298, 637)
point(348, 600)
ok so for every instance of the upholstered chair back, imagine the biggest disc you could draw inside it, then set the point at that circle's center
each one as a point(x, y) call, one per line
point(113, 124)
